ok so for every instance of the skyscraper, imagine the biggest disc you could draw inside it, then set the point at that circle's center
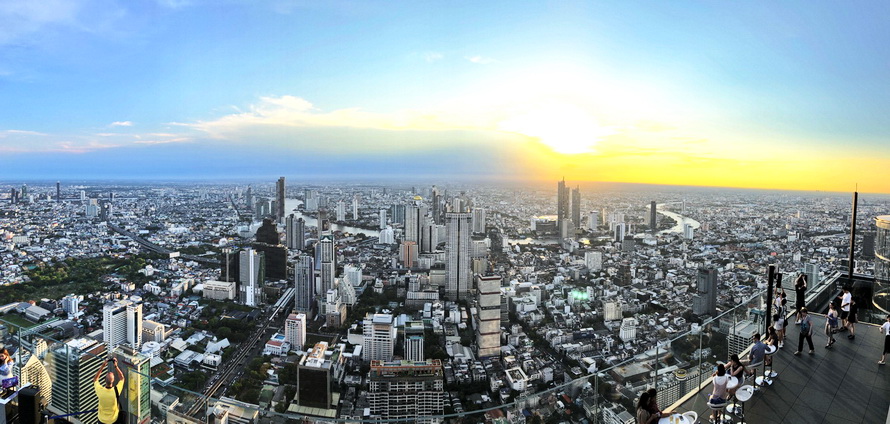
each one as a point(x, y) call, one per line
point(295, 233)
point(382, 215)
point(379, 337)
point(705, 302)
point(355, 207)
point(279, 213)
point(479, 220)
point(406, 390)
point(122, 322)
point(252, 276)
point(295, 330)
point(72, 366)
point(314, 378)
point(415, 218)
point(326, 261)
point(576, 207)
point(562, 203)
point(304, 284)
point(653, 219)
point(137, 384)
point(488, 315)
point(58, 192)
point(457, 249)
point(341, 211)
point(812, 272)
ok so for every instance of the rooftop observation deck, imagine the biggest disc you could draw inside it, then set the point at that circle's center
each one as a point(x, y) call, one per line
point(841, 385)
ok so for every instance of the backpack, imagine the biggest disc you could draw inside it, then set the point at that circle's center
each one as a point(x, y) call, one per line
point(805, 325)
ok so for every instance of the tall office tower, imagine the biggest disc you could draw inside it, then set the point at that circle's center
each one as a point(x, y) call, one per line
point(406, 391)
point(868, 246)
point(812, 272)
point(92, 208)
point(593, 220)
point(620, 231)
point(882, 248)
point(327, 261)
point(248, 197)
point(479, 220)
point(562, 203)
point(398, 214)
point(346, 291)
point(436, 199)
point(688, 231)
point(415, 218)
point(314, 380)
point(137, 384)
point(705, 302)
point(379, 337)
point(122, 323)
point(304, 284)
point(268, 233)
point(252, 276)
point(594, 260)
point(429, 236)
point(295, 331)
point(653, 219)
point(408, 253)
point(73, 366)
point(414, 341)
point(295, 232)
point(355, 207)
point(13, 196)
point(488, 315)
point(58, 192)
point(457, 254)
point(576, 207)
point(382, 215)
point(279, 213)
point(341, 211)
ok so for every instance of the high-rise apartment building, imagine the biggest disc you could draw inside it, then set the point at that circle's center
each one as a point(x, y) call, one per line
point(705, 301)
point(355, 207)
point(137, 385)
point(488, 315)
point(812, 272)
point(295, 232)
point(413, 344)
point(327, 261)
point(71, 304)
point(562, 203)
point(304, 284)
point(457, 255)
point(280, 195)
point(34, 371)
point(252, 274)
point(594, 260)
point(406, 390)
point(653, 218)
point(295, 330)
point(415, 218)
point(379, 337)
point(122, 322)
point(576, 207)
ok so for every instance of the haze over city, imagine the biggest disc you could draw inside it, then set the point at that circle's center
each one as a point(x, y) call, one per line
point(296, 211)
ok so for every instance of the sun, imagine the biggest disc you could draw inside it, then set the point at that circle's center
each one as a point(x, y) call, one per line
point(563, 127)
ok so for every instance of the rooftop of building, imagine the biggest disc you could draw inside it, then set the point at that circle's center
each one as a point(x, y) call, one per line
point(841, 385)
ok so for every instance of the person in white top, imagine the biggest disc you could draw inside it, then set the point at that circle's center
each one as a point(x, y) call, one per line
point(846, 300)
point(885, 330)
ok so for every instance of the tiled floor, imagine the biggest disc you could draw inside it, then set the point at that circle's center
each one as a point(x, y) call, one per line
point(840, 385)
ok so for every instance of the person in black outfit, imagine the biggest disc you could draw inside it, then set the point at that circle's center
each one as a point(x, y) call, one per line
point(800, 289)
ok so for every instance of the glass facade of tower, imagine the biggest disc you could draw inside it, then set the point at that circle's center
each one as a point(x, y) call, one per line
point(882, 248)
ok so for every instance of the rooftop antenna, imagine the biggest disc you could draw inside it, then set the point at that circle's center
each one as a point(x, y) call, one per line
point(853, 233)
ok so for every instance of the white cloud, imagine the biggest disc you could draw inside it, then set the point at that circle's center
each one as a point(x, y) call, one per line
point(7, 133)
point(431, 57)
point(121, 124)
point(480, 60)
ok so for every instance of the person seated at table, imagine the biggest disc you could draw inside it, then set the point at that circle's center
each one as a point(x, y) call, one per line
point(718, 395)
point(758, 352)
point(736, 369)
point(653, 402)
point(643, 414)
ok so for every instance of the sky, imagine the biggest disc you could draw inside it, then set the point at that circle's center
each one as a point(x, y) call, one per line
point(738, 94)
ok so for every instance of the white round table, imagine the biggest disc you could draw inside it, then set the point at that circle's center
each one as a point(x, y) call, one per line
point(678, 419)
point(732, 383)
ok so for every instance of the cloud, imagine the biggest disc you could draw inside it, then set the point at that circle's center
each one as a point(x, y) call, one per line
point(121, 124)
point(431, 57)
point(21, 141)
point(6, 133)
point(480, 60)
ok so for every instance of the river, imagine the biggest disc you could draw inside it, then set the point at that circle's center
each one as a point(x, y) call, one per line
point(679, 219)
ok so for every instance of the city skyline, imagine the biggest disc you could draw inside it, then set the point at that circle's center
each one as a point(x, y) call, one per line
point(754, 95)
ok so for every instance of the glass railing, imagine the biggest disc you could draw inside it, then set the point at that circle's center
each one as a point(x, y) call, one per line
point(598, 385)
point(872, 296)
